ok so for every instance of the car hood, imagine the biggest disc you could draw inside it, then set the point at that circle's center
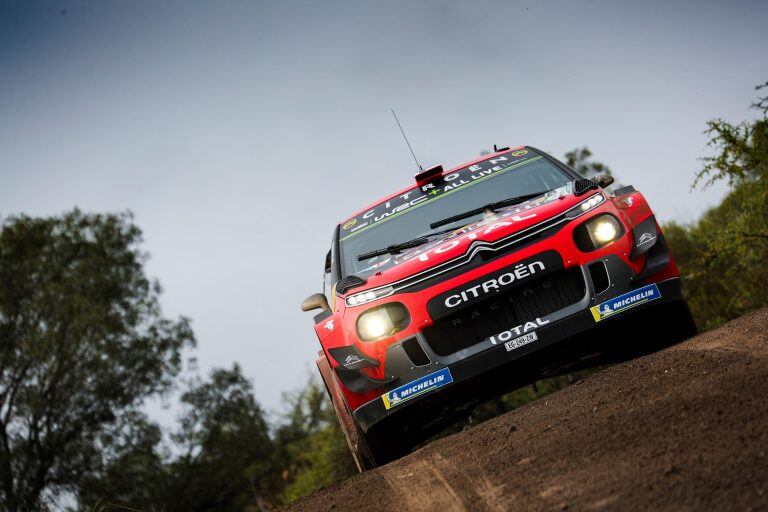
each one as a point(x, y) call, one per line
point(506, 221)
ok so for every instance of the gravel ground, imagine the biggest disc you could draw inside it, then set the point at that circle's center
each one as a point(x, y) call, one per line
point(682, 429)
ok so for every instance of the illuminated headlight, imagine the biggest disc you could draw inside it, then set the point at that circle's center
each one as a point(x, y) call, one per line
point(382, 321)
point(597, 232)
point(604, 230)
point(371, 295)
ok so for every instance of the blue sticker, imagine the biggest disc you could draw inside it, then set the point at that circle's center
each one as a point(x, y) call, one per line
point(626, 301)
point(417, 387)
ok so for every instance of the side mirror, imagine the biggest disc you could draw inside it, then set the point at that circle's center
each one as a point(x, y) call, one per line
point(603, 180)
point(315, 301)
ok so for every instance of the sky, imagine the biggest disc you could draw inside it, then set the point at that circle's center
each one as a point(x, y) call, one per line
point(239, 133)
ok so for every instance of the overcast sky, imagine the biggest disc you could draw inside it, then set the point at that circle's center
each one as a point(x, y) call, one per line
point(239, 133)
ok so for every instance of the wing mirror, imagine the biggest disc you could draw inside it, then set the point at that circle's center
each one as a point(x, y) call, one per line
point(603, 180)
point(315, 301)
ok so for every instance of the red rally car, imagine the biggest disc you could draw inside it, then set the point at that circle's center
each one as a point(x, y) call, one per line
point(482, 279)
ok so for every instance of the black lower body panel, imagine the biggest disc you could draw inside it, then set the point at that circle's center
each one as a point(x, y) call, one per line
point(575, 342)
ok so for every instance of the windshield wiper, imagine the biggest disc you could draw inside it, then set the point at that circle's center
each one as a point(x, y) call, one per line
point(397, 248)
point(421, 240)
point(490, 206)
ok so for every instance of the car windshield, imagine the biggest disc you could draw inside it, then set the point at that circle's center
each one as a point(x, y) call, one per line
point(408, 216)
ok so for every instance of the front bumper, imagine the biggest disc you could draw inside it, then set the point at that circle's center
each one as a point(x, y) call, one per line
point(563, 344)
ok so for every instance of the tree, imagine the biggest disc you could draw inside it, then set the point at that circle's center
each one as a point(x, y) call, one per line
point(723, 256)
point(132, 471)
point(311, 446)
point(222, 458)
point(82, 344)
point(741, 150)
point(226, 460)
point(580, 160)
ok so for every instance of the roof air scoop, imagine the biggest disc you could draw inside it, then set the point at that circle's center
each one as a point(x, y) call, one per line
point(349, 282)
point(582, 186)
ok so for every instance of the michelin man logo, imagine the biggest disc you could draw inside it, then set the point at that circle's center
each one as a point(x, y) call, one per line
point(626, 301)
point(606, 309)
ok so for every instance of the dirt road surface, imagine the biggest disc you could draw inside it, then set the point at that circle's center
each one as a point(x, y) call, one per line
point(681, 429)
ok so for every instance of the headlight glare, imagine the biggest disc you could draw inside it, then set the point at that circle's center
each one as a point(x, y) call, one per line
point(382, 321)
point(597, 232)
point(603, 231)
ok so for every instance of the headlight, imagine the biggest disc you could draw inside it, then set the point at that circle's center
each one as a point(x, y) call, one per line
point(365, 297)
point(382, 321)
point(597, 232)
point(604, 230)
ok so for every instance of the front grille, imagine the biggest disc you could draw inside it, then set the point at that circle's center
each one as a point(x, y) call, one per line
point(534, 299)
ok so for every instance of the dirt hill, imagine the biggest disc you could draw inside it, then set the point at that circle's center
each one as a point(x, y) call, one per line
point(681, 429)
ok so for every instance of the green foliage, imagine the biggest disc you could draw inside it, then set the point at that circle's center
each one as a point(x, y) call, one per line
point(83, 344)
point(722, 257)
point(724, 269)
point(223, 457)
point(226, 460)
point(312, 444)
point(740, 149)
point(581, 160)
point(132, 472)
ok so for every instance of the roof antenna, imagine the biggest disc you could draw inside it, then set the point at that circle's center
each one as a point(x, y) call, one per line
point(406, 139)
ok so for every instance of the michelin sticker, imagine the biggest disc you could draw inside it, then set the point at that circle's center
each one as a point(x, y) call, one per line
point(626, 301)
point(417, 387)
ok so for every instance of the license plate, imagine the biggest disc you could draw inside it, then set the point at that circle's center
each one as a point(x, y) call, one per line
point(522, 340)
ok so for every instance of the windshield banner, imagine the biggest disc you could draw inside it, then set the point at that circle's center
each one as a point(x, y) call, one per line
point(429, 192)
